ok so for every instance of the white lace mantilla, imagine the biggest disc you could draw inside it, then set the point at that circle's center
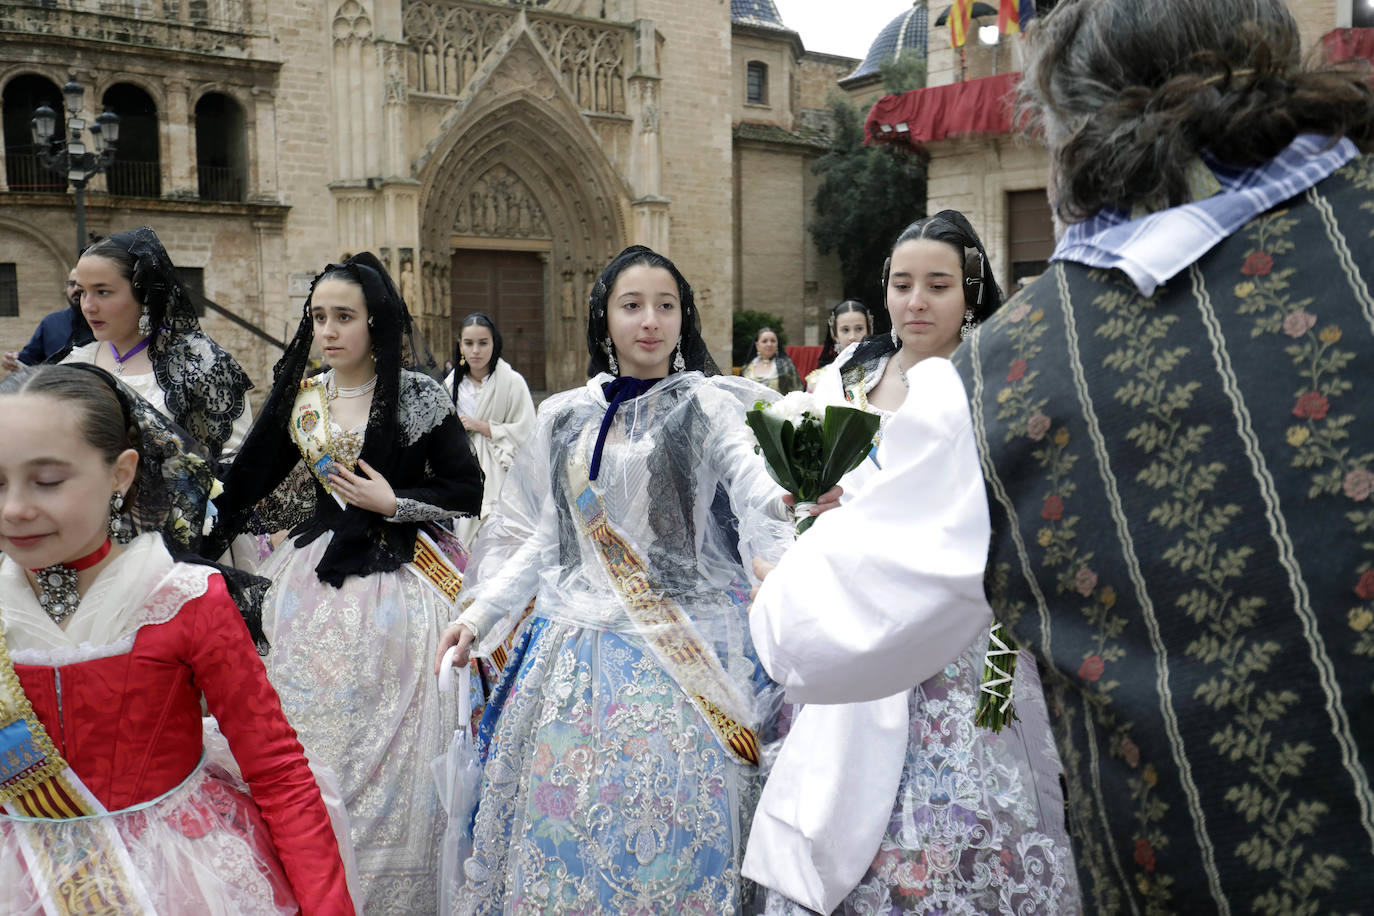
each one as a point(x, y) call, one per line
point(421, 405)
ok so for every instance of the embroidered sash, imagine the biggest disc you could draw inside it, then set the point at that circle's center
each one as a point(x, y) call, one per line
point(665, 627)
point(436, 563)
point(36, 783)
point(309, 429)
point(439, 558)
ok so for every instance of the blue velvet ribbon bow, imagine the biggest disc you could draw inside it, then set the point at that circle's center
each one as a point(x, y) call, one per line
point(617, 392)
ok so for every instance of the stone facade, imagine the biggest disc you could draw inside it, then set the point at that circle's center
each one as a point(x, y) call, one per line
point(431, 131)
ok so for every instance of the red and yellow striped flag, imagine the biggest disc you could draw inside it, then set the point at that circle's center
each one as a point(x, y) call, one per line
point(960, 18)
point(1008, 17)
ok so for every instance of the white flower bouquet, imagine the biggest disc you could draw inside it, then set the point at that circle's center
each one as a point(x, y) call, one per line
point(807, 448)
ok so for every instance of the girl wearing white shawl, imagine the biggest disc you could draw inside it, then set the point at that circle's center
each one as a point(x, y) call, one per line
point(494, 406)
point(892, 800)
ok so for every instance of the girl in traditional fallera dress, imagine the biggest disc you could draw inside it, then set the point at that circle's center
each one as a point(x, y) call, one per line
point(936, 814)
point(109, 802)
point(360, 593)
point(146, 332)
point(622, 740)
point(767, 366)
point(849, 323)
point(494, 406)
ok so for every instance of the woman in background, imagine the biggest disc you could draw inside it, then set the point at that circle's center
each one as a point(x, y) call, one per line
point(147, 334)
point(494, 406)
point(849, 323)
point(766, 365)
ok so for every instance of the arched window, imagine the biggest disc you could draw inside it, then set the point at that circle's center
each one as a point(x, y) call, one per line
point(221, 148)
point(756, 82)
point(137, 168)
point(23, 171)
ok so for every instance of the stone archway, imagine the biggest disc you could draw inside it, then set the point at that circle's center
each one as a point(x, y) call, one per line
point(518, 169)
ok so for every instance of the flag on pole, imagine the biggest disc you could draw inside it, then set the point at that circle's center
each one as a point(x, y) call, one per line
point(960, 17)
point(1013, 15)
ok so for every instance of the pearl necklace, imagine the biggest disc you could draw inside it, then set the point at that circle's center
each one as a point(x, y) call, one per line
point(335, 391)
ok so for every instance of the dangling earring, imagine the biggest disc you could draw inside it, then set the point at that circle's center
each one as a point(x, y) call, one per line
point(116, 514)
point(462, 360)
point(967, 329)
point(896, 341)
point(610, 357)
point(678, 362)
point(145, 324)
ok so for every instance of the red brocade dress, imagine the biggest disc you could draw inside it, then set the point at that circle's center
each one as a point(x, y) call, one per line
point(129, 725)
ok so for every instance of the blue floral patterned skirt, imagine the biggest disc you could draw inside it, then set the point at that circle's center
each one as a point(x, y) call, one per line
point(604, 791)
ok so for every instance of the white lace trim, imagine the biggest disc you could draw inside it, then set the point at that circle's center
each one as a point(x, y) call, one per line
point(71, 655)
point(185, 582)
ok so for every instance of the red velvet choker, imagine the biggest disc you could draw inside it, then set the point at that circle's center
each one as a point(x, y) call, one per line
point(57, 593)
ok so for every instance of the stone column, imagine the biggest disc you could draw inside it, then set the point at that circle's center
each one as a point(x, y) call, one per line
point(261, 121)
point(179, 146)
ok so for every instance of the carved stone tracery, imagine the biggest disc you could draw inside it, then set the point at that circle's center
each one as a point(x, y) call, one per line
point(448, 43)
point(591, 62)
point(450, 40)
point(351, 23)
point(500, 205)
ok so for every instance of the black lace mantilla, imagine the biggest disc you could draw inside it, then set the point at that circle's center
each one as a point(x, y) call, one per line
point(203, 385)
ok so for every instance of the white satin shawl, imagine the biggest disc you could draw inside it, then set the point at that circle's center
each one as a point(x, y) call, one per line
point(875, 599)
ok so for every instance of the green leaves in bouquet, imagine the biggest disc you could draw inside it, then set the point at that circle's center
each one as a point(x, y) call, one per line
point(848, 438)
point(775, 444)
point(808, 459)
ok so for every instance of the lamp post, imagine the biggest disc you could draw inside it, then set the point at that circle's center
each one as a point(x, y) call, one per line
point(72, 159)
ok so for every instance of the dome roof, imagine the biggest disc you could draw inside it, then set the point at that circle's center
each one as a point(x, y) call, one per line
point(910, 30)
point(756, 12)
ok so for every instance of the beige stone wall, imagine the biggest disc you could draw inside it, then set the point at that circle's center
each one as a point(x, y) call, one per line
point(306, 134)
point(40, 267)
point(698, 153)
point(770, 224)
point(824, 282)
point(973, 176)
point(819, 75)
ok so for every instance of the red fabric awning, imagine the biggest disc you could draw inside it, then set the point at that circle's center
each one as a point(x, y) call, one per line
point(978, 107)
point(1348, 44)
point(805, 358)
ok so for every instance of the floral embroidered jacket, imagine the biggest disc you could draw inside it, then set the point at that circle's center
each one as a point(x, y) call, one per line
point(1183, 531)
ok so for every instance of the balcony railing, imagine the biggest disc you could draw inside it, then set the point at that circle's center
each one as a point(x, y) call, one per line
point(126, 178)
point(24, 172)
point(220, 183)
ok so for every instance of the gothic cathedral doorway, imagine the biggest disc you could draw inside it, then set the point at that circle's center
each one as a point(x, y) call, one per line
point(508, 286)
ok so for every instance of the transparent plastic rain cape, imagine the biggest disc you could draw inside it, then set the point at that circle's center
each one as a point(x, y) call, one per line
point(679, 482)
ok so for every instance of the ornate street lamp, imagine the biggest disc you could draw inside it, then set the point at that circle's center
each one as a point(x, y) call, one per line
point(71, 159)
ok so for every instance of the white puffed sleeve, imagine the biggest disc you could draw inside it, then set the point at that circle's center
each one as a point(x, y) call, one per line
point(883, 592)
